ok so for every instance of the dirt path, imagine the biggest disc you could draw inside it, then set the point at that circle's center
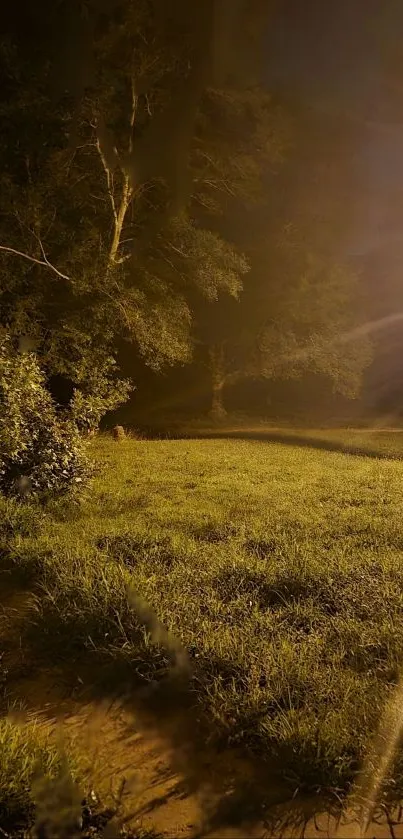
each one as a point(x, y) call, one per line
point(169, 784)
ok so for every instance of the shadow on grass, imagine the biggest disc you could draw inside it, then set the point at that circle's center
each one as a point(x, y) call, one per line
point(131, 549)
point(298, 440)
point(162, 697)
point(112, 650)
point(103, 506)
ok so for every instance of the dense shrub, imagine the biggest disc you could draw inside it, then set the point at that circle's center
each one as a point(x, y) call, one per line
point(36, 444)
point(94, 399)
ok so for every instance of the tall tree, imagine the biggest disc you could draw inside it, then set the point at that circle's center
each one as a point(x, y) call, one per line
point(300, 312)
point(301, 293)
point(103, 181)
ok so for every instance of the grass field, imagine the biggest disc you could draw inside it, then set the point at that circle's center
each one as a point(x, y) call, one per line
point(276, 567)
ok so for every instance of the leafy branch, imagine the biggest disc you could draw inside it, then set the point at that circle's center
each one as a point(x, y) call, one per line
point(45, 262)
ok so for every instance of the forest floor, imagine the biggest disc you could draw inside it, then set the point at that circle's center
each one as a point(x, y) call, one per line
point(212, 631)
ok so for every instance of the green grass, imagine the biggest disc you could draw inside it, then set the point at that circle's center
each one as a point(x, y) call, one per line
point(27, 756)
point(277, 567)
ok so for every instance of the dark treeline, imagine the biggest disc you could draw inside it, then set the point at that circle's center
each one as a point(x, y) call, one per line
point(170, 219)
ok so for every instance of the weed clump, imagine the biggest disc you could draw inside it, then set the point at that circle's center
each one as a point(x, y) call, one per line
point(262, 548)
point(130, 549)
point(213, 532)
point(26, 753)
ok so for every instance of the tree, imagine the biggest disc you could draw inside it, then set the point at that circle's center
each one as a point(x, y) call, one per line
point(108, 188)
point(300, 312)
point(301, 295)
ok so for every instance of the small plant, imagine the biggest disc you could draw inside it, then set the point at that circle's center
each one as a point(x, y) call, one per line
point(20, 525)
point(39, 451)
point(262, 548)
point(17, 520)
point(212, 531)
point(131, 549)
point(26, 754)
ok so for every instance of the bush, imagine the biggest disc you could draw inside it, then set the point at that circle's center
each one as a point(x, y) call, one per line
point(36, 445)
point(95, 398)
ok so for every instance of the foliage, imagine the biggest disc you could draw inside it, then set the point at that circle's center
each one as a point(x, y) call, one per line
point(251, 135)
point(94, 159)
point(35, 444)
point(314, 324)
point(202, 258)
point(175, 268)
point(90, 403)
point(300, 313)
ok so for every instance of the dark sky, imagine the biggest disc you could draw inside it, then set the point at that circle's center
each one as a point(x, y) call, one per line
point(333, 47)
point(346, 57)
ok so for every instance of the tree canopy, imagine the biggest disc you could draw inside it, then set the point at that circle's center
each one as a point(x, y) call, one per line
point(112, 174)
point(124, 153)
point(301, 308)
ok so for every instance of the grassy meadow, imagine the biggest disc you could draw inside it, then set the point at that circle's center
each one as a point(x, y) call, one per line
point(276, 567)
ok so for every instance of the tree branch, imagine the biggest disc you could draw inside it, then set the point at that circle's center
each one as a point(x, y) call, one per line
point(45, 262)
point(119, 260)
point(108, 178)
point(177, 250)
point(126, 197)
point(132, 115)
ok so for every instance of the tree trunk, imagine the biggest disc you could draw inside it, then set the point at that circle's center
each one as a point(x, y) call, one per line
point(217, 367)
point(120, 216)
point(120, 204)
